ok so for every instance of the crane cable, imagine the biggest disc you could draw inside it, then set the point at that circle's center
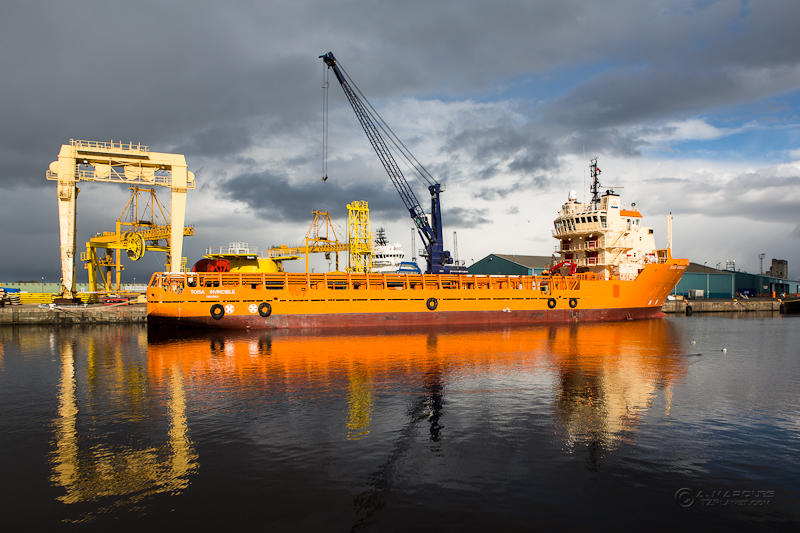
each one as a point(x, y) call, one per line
point(325, 84)
point(395, 140)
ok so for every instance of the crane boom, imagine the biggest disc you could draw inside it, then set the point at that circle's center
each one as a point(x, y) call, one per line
point(383, 140)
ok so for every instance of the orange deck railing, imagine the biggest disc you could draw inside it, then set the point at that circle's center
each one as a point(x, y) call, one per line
point(364, 281)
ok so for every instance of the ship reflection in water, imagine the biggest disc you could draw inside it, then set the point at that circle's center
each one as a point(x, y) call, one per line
point(608, 377)
point(130, 409)
point(607, 374)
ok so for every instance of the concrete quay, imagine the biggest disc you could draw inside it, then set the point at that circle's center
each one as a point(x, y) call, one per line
point(93, 314)
point(725, 305)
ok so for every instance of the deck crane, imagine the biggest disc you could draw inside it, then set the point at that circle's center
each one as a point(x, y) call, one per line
point(383, 141)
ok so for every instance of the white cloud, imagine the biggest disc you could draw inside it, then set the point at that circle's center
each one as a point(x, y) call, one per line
point(688, 130)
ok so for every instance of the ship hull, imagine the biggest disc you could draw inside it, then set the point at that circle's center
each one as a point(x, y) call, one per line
point(402, 320)
point(335, 301)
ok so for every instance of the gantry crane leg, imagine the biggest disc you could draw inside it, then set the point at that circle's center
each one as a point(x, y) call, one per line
point(67, 193)
point(177, 216)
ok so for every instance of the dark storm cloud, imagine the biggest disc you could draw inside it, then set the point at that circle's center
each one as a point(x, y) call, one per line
point(534, 159)
point(219, 140)
point(627, 96)
point(217, 80)
point(500, 151)
point(275, 197)
point(722, 55)
point(170, 75)
point(757, 196)
point(460, 217)
point(609, 141)
point(760, 196)
point(488, 142)
point(521, 185)
point(196, 76)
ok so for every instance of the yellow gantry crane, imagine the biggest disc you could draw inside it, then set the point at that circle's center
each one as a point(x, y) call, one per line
point(115, 162)
point(143, 226)
point(321, 238)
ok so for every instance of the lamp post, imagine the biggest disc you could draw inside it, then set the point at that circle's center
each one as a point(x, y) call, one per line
point(42, 283)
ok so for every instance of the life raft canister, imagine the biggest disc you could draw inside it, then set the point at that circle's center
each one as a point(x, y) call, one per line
point(432, 304)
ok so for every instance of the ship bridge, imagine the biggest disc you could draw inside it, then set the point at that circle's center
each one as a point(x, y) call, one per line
point(603, 236)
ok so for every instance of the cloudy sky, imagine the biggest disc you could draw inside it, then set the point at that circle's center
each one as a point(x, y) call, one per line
point(691, 106)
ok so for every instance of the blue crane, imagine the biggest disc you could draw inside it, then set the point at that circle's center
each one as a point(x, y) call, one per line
point(383, 140)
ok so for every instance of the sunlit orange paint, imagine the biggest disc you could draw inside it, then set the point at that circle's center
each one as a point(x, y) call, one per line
point(251, 355)
point(286, 301)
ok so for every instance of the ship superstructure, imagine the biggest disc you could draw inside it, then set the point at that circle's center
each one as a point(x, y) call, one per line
point(386, 256)
point(602, 236)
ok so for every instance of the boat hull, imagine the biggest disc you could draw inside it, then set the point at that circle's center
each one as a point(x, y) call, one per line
point(309, 301)
point(402, 320)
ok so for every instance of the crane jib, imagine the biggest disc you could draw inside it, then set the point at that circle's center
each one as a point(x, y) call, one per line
point(373, 124)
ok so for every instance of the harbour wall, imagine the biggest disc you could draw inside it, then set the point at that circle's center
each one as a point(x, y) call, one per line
point(31, 314)
point(688, 307)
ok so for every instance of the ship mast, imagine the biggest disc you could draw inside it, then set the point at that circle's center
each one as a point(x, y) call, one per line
point(595, 188)
point(380, 238)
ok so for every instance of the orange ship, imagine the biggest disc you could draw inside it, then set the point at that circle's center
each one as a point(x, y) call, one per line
point(227, 300)
point(615, 273)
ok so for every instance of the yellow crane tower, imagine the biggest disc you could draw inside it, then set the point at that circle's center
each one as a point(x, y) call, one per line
point(143, 226)
point(115, 162)
point(359, 238)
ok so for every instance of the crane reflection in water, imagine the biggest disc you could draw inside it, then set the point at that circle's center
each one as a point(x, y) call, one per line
point(101, 470)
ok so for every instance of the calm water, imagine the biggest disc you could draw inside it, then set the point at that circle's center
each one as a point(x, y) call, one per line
point(581, 427)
